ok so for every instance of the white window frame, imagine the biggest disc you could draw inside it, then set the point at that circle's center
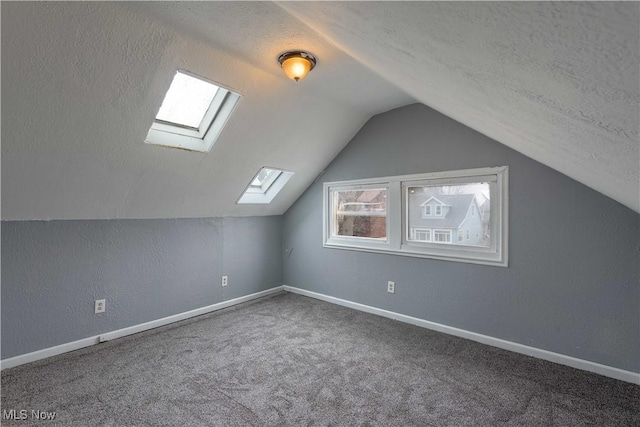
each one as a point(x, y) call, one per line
point(364, 243)
point(398, 234)
point(271, 178)
point(202, 139)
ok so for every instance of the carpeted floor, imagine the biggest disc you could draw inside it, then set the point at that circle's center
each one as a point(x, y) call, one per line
point(290, 360)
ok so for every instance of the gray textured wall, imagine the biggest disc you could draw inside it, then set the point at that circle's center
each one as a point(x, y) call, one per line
point(146, 269)
point(572, 286)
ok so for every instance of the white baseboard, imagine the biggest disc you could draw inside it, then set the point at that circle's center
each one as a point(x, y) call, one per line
point(48, 352)
point(573, 362)
point(86, 342)
point(585, 365)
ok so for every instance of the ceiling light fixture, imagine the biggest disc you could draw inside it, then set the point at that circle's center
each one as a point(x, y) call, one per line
point(296, 64)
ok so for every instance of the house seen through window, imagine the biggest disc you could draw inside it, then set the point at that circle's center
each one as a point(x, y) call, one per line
point(360, 213)
point(455, 220)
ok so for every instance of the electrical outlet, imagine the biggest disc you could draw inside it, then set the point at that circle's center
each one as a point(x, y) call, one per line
point(391, 287)
point(225, 280)
point(101, 305)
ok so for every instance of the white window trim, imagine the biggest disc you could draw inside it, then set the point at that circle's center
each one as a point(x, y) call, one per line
point(398, 243)
point(202, 139)
point(363, 243)
point(266, 185)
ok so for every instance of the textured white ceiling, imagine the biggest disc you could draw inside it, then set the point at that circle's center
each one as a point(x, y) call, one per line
point(557, 81)
point(81, 83)
point(258, 32)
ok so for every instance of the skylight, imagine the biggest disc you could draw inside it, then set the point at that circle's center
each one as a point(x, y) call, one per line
point(265, 186)
point(193, 113)
point(262, 176)
point(263, 181)
point(186, 101)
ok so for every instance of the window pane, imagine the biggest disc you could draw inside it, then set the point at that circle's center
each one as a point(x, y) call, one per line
point(454, 214)
point(360, 213)
point(186, 101)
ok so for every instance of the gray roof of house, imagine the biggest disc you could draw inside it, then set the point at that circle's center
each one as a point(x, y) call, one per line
point(459, 206)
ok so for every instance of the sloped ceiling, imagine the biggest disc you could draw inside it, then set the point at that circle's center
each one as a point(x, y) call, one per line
point(81, 83)
point(557, 81)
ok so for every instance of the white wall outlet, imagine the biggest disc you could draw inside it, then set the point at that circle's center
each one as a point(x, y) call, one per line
point(101, 305)
point(391, 287)
point(225, 280)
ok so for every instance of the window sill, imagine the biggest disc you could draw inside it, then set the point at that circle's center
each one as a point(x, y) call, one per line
point(471, 258)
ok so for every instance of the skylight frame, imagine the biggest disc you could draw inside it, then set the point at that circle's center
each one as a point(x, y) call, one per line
point(270, 179)
point(268, 190)
point(201, 130)
point(176, 135)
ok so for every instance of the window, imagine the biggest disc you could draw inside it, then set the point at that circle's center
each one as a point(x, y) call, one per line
point(186, 101)
point(422, 235)
point(360, 213)
point(357, 215)
point(394, 215)
point(458, 199)
point(442, 236)
point(264, 180)
point(192, 114)
point(264, 186)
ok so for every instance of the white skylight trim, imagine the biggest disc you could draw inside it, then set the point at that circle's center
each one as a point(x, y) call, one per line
point(192, 114)
point(263, 181)
point(264, 186)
